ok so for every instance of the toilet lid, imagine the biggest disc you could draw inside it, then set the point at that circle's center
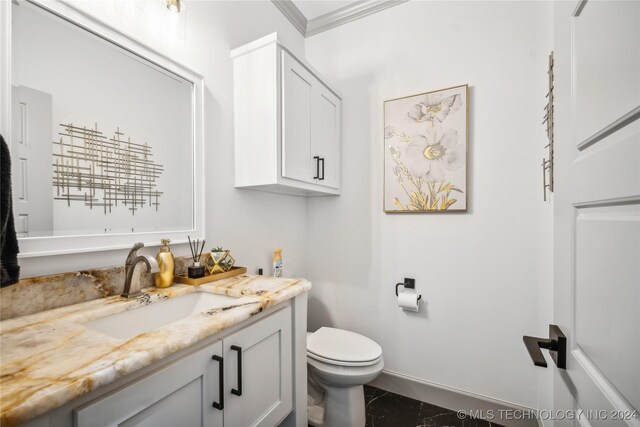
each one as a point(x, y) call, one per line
point(338, 345)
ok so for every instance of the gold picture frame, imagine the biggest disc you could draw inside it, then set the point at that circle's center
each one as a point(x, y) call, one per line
point(426, 144)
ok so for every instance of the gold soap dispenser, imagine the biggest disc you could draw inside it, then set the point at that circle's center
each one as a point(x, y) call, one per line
point(166, 263)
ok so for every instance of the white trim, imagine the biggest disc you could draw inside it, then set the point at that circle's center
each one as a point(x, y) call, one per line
point(618, 124)
point(256, 44)
point(273, 38)
point(601, 384)
point(293, 14)
point(348, 13)
point(5, 70)
point(584, 422)
point(578, 10)
point(451, 398)
point(54, 245)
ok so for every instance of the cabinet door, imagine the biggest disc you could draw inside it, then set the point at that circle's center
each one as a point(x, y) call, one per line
point(258, 376)
point(326, 135)
point(297, 90)
point(180, 394)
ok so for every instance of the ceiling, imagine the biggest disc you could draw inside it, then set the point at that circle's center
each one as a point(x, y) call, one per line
point(315, 16)
point(314, 8)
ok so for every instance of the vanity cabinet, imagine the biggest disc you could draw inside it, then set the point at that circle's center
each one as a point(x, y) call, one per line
point(244, 379)
point(178, 394)
point(257, 373)
point(287, 123)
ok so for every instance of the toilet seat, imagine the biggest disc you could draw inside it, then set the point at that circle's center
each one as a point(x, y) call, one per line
point(342, 362)
point(343, 348)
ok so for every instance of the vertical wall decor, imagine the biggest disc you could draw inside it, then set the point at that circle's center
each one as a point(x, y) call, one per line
point(547, 164)
point(425, 145)
point(102, 172)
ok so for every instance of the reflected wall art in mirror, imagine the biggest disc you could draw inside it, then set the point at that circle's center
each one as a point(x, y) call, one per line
point(105, 134)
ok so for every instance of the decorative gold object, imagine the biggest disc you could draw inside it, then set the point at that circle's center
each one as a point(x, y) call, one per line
point(166, 263)
point(219, 262)
point(208, 278)
point(174, 5)
point(99, 171)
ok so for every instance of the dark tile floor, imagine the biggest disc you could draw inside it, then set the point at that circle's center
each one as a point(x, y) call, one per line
point(386, 409)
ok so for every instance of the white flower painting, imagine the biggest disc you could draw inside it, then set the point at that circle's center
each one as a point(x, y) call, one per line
point(425, 140)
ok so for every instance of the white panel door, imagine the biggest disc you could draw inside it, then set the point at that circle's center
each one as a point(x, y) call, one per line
point(258, 372)
point(326, 135)
point(597, 210)
point(181, 394)
point(31, 161)
point(297, 92)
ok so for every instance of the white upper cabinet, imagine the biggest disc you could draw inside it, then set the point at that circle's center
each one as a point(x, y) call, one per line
point(287, 123)
point(298, 90)
point(325, 138)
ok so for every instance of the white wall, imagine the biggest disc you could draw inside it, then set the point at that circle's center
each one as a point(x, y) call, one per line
point(478, 272)
point(250, 223)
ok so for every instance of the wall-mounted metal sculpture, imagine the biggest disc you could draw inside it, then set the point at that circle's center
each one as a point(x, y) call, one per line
point(547, 164)
point(102, 172)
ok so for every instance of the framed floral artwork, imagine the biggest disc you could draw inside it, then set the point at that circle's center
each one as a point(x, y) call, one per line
point(425, 146)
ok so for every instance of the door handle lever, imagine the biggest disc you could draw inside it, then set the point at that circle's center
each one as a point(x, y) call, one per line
point(556, 344)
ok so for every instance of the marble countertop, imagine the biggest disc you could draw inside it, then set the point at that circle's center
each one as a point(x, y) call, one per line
point(49, 358)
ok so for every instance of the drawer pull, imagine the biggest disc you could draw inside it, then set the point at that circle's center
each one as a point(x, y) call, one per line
point(317, 159)
point(238, 391)
point(220, 360)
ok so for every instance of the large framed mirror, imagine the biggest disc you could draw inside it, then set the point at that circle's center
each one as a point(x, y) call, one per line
point(105, 134)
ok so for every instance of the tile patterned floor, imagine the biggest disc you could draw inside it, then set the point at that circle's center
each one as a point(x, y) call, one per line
point(386, 409)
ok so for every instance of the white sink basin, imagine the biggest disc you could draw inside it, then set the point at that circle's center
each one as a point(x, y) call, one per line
point(128, 324)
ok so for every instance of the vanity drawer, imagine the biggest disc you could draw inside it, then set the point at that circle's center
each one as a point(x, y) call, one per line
point(179, 394)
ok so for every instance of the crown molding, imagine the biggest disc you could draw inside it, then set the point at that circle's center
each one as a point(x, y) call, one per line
point(338, 17)
point(347, 14)
point(293, 14)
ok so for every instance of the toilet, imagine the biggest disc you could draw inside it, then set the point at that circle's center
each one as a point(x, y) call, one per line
point(339, 363)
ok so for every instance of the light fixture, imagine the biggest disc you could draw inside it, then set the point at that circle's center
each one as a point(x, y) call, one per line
point(174, 5)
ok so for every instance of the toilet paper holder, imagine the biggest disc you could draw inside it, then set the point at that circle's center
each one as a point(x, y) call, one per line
point(408, 284)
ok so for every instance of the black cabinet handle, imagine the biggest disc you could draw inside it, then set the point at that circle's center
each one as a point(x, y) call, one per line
point(317, 159)
point(220, 360)
point(322, 160)
point(238, 391)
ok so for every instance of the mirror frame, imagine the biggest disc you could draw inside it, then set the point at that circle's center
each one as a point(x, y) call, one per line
point(54, 245)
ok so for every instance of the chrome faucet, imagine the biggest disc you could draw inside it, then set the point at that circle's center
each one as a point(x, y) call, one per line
point(130, 268)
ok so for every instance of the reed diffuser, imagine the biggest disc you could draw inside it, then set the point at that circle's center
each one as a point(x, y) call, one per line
point(196, 270)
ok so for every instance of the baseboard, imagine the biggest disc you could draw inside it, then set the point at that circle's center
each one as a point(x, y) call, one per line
point(498, 411)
